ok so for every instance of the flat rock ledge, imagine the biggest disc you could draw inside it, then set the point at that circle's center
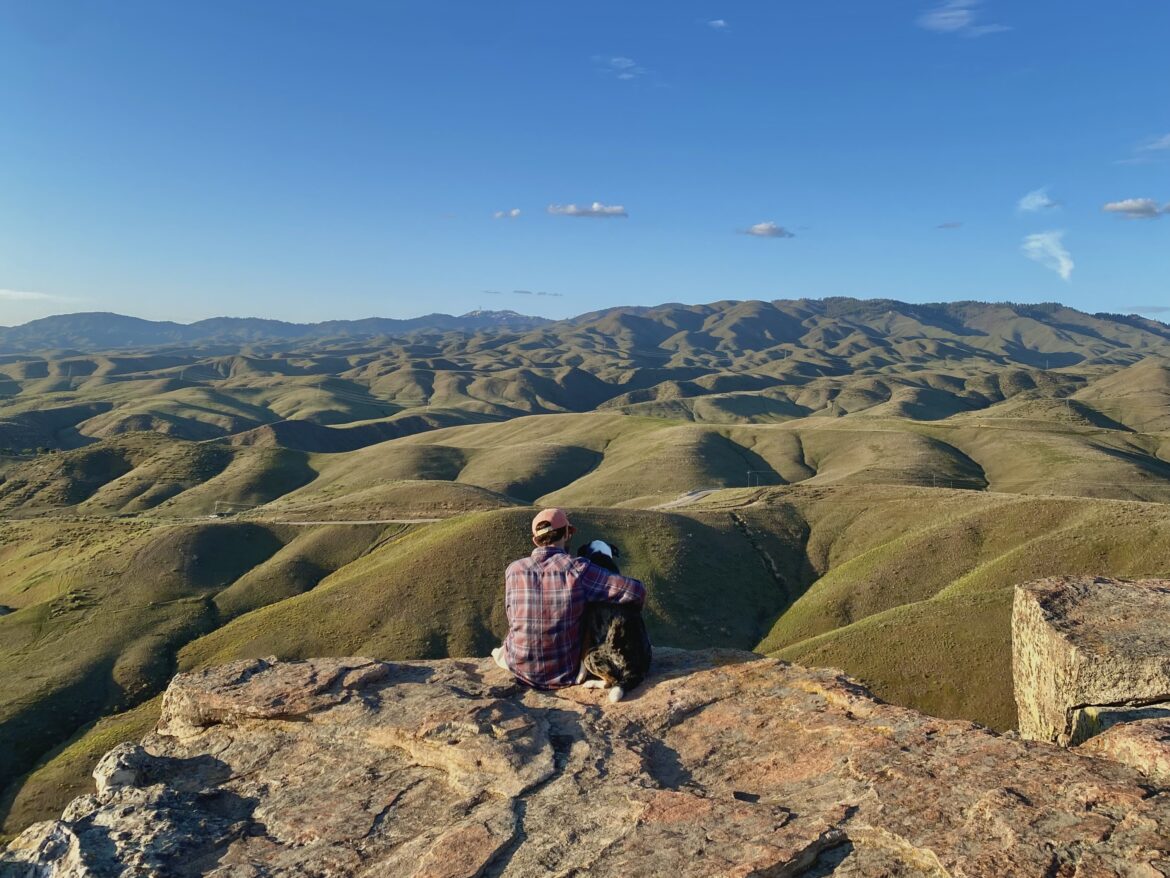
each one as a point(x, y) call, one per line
point(1089, 653)
point(723, 764)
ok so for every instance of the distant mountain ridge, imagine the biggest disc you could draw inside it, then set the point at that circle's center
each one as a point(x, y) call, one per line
point(732, 326)
point(99, 331)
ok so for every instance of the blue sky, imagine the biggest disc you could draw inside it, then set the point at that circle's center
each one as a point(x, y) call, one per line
point(341, 159)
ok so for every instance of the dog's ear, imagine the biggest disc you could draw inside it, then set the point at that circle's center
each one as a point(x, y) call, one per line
point(614, 550)
point(583, 551)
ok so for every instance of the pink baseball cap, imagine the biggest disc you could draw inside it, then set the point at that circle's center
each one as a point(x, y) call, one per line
point(550, 519)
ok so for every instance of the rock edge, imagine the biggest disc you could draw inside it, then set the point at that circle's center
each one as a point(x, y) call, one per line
point(723, 764)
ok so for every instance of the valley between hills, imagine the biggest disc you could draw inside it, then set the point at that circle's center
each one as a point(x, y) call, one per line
point(844, 483)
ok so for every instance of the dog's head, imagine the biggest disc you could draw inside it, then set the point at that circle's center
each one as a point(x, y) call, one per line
point(602, 554)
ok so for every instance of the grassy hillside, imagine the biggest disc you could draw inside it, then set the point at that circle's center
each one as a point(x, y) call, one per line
point(907, 588)
point(169, 597)
point(914, 593)
point(883, 474)
point(438, 590)
point(142, 472)
point(727, 362)
point(98, 613)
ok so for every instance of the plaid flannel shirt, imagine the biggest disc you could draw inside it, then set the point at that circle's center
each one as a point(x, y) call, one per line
point(545, 595)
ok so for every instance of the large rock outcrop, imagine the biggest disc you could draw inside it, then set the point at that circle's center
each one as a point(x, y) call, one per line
point(723, 764)
point(1088, 653)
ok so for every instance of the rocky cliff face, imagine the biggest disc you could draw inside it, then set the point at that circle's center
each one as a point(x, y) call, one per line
point(723, 764)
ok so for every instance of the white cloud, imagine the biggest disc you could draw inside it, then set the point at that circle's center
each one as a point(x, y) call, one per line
point(1154, 150)
point(596, 209)
point(1148, 309)
point(29, 296)
point(983, 30)
point(1158, 144)
point(768, 230)
point(1048, 249)
point(951, 225)
point(717, 24)
point(958, 17)
point(507, 214)
point(1036, 201)
point(622, 68)
point(948, 18)
point(1137, 208)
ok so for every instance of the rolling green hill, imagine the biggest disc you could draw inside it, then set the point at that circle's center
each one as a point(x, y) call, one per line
point(727, 362)
point(907, 588)
point(842, 482)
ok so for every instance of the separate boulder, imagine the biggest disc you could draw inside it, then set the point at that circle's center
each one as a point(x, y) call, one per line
point(1089, 653)
point(1142, 744)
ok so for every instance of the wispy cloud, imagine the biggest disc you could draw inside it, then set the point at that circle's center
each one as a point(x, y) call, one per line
point(1137, 208)
point(524, 293)
point(596, 209)
point(1148, 309)
point(717, 24)
point(1048, 249)
point(1037, 201)
point(958, 17)
point(1154, 149)
point(767, 230)
point(949, 226)
point(30, 296)
point(619, 66)
point(507, 214)
point(1156, 144)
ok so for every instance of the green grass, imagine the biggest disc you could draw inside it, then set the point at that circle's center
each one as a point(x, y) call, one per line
point(101, 611)
point(949, 657)
point(66, 772)
point(438, 590)
point(103, 607)
point(145, 471)
point(907, 588)
point(915, 593)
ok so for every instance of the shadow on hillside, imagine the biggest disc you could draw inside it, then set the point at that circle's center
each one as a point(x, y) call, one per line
point(1095, 417)
point(28, 734)
point(784, 555)
point(1042, 359)
point(755, 468)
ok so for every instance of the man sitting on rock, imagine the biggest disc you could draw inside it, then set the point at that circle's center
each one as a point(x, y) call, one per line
point(545, 595)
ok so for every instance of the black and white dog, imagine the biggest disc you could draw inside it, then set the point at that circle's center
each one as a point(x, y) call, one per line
point(615, 648)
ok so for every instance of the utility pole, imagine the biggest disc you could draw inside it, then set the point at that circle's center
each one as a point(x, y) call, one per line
point(756, 474)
